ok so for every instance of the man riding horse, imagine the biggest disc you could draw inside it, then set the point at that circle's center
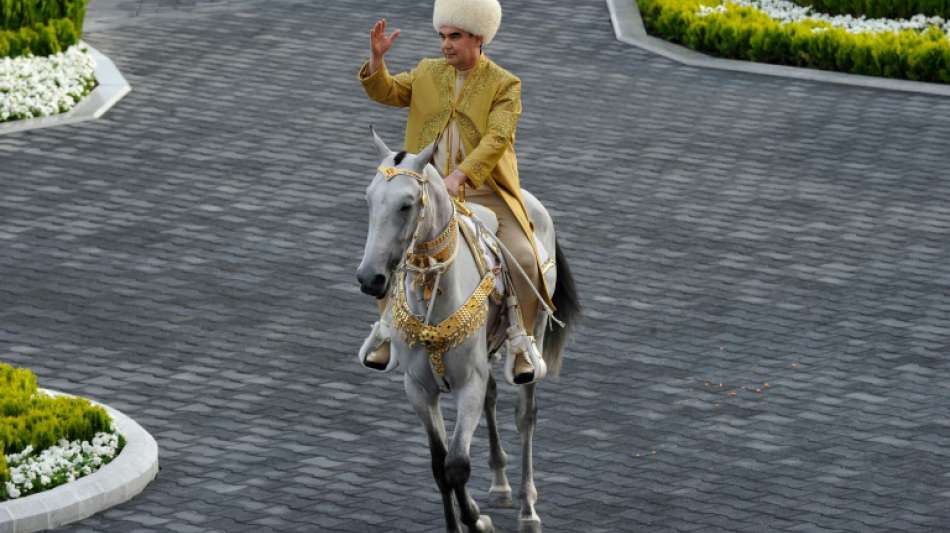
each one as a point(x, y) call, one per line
point(470, 107)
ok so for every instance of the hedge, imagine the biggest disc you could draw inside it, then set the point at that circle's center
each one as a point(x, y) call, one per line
point(40, 40)
point(894, 9)
point(31, 419)
point(16, 14)
point(748, 34)
point(39, 27)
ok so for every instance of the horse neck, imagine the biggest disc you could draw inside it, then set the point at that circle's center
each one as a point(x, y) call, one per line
point(438, 216)
point(440, 210)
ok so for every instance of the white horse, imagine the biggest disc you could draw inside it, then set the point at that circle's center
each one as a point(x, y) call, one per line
point(408, 205)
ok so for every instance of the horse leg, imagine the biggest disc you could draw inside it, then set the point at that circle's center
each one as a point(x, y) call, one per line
point(526, 419)
point(426, 404)
point(500, 491)
point(458, 465)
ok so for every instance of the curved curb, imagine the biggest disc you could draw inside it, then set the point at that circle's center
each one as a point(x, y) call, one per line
point(628, 27)
point(111, 88)
point(120, 480)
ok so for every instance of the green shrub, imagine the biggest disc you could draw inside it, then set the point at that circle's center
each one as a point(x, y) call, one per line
point(746, 33)
point(4, 469)
point(895, 9)
point(16, 14)
point(40, 40)
point(31, 419)
point(39, 27)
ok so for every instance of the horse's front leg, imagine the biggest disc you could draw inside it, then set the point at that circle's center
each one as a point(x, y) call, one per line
point(458, 465)
point(426, 404)
point(500, 491)
point(526, 419)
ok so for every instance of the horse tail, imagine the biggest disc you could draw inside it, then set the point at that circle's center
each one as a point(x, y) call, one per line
point(568, 311)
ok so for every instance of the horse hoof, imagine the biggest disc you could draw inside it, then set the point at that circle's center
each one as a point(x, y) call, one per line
point(483, 525)
point(500, 498)
point(529, 525)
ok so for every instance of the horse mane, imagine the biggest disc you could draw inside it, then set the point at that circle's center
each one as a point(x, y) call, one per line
point(399, 157)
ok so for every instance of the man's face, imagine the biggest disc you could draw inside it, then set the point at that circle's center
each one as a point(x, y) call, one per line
point(460, 48)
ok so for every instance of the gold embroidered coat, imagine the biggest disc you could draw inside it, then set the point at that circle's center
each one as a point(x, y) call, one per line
point(487, 112)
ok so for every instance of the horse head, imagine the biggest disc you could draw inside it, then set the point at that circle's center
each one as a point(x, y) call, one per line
point(395, 204)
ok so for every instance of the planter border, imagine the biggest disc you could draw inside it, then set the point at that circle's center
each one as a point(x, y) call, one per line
point(111, 88)
point(628, 28)
point(117, 482)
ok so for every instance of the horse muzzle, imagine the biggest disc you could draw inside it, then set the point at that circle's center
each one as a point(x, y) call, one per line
point(373, 284)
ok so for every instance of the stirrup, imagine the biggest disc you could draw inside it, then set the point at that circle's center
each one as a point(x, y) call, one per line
point(378, 336)
point(521, 342)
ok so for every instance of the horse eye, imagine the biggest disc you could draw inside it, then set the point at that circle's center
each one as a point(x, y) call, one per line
point(405, 208)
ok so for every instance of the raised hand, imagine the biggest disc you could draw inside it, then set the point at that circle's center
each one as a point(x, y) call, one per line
point(380, 43)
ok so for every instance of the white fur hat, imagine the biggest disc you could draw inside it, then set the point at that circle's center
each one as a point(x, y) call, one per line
point(479, 17)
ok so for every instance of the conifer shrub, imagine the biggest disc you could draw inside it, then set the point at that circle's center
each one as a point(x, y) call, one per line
point(39, 27)
point(894, 9)
point(748, 34)
point(16, 14)
point(30, 418)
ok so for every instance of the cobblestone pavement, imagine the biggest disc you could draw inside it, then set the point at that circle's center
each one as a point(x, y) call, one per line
point(190, 259)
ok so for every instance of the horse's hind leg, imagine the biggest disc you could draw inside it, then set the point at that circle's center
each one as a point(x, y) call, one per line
point(500, 492)
point(526, 419)
point(458, 466)
point(426, 405)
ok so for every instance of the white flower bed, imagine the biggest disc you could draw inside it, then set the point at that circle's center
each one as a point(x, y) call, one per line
point(784, 11)
point(58, 464)
point(41, 86)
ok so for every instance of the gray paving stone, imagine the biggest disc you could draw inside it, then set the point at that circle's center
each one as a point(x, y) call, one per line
point(189, 259)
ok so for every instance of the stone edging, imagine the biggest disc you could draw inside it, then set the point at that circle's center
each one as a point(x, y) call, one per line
point(120, 480)
point(628, 27)
point(111, 87)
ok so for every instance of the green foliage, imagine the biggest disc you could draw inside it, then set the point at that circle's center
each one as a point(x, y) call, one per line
point(895, 9)
point(4, 471)
point(40, 40)
point(16, 14)
point(31, 419)
point(745, 33)
point(39, 27)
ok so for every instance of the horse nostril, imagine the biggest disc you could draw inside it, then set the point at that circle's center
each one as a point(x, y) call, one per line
point(375, 286)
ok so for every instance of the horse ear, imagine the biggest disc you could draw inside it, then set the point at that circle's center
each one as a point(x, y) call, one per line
point(381, 147)
point(423, 158)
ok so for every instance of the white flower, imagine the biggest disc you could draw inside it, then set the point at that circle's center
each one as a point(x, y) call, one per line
point(785, 11)
point(72, 460)
point(40, 86)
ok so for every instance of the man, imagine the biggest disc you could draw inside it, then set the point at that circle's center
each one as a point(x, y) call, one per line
point(471, 105)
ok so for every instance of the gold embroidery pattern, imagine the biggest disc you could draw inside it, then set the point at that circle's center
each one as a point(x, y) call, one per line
point(480, 170)
point(444, 76)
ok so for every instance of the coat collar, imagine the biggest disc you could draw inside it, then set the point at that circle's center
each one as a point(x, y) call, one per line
point(451, 75)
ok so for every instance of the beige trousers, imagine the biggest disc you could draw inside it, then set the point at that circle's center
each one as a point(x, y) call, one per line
point(514, 238)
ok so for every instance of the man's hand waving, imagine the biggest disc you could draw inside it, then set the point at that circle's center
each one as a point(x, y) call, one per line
point(379, 44)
